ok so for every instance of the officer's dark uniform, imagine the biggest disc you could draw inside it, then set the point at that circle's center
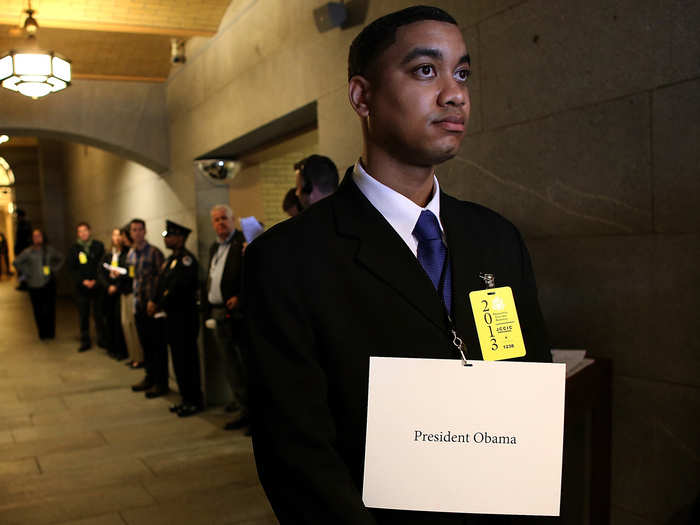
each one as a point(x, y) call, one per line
point(177, 297)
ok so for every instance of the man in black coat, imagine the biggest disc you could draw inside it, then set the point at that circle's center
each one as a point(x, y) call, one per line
point(356, 286)
point(222, 304)
point(84, 261)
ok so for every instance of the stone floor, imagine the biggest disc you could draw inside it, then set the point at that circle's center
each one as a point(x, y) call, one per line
point(78, 447)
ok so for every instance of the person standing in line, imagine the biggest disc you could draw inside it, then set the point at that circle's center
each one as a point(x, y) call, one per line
point(108, 276)
point(83, 262)
point(178, 286)
point(23, 239)
point(147, 261)
point(317, 178)
point(223, 305)
point(126, 300)
point(23, 235)
point(291, 205)
point(39, 264)
point(4, 256)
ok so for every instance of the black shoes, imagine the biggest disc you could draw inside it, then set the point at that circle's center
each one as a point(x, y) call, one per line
point(237, 423)
point(188, 410)
point(143, 385)
point(156, 391)
point(175, 408)
point(84, 347)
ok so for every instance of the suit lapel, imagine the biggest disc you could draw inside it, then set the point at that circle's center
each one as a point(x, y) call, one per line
point(464, 242)
point(382, 252)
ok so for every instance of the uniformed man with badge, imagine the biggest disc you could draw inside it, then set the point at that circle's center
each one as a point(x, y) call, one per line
point(176, 300)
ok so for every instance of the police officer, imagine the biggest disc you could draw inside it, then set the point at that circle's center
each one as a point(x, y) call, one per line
point(176, 299)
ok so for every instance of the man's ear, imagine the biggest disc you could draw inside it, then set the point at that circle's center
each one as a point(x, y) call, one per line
point(359, 94)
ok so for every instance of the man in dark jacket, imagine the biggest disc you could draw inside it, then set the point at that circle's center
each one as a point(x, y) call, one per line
point(222, 302)
point(176, 298)
point(83, 262)
point(383, 267)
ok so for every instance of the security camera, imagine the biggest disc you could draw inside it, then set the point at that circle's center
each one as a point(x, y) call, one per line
point(177, 51)
point(218, 169)
point(330, 15)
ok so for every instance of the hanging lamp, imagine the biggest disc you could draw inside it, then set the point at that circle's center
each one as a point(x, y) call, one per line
point(32, 72)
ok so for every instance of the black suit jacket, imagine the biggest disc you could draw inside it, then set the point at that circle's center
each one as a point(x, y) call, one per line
point(231, 280)
point(91, 268)
point(352, 289)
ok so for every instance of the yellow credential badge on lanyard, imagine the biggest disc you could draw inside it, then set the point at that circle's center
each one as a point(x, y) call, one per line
point(47, 270)
point(497, 323)
point(82, 258)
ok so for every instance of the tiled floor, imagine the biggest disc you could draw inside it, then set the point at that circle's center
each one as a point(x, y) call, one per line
point(78, 447)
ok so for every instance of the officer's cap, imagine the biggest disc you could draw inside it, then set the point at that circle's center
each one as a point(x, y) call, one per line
point(173, 228)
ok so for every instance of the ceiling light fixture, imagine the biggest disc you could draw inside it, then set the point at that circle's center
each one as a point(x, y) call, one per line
point(32, 72)
point(7, 178)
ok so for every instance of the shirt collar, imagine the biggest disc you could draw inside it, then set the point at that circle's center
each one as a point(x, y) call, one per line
point(399, 211)
point(228, 239)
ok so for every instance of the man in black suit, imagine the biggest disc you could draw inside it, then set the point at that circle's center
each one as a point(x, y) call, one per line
point(84, 263)
point(358, 285)
point(317, 178)
point(222, 303)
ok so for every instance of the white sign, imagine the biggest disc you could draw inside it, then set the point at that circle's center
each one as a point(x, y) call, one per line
point(486, 438)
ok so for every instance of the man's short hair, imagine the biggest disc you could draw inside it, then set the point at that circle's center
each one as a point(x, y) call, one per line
point(318, 172)
point(375, 38)
point(137, 221)
point(222, 207)
point(83, 223)
point(291, 200)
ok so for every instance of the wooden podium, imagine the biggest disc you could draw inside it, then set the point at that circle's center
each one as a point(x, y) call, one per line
point(587, 446)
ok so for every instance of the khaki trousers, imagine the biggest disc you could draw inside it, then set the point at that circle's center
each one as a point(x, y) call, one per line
point(133, 345)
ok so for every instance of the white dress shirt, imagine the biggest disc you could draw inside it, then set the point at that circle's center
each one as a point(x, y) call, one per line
point(399, 211)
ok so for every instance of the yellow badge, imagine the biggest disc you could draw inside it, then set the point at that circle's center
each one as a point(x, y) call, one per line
point(115, 264)
point(497, 323)
point(82, 257)
point(172, 264)
point(131, 270)
point(47, 270)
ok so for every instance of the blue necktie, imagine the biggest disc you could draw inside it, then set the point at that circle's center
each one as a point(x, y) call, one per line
point(432, 255)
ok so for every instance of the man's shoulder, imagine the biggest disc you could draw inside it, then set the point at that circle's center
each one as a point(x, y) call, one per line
point(472, 213)
point(295, 233)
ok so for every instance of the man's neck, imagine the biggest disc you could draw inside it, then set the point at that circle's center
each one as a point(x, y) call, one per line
point(227, 236)
point(140, 245)
point(413, 182)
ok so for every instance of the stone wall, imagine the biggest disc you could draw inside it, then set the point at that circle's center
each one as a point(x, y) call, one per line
point(107, 191)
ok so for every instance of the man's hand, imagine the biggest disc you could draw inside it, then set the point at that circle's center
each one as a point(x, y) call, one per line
point(89, 283)
point(112, 289)
point(151, 308)
point(114, 274)
point(232, 303)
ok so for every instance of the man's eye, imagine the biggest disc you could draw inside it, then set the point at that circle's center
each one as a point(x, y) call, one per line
point(425, 71)
point(463, 74)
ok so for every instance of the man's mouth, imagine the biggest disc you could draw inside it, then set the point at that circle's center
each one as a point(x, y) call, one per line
point(451, 123)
